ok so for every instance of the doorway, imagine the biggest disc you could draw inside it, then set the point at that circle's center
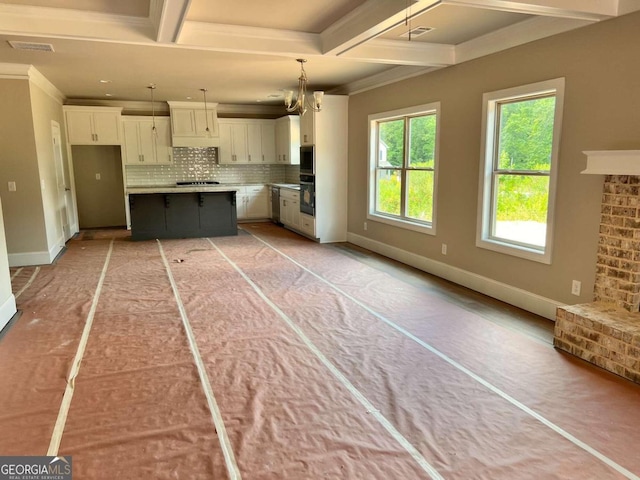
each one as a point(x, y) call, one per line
point(99, 186)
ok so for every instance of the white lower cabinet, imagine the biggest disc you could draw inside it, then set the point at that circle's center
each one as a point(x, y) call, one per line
point(308, 225)
point(252, 202)
point(290, 208)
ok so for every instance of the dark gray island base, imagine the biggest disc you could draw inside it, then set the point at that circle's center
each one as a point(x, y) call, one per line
point(182, 215)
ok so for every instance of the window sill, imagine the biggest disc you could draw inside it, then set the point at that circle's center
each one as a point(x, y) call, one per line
point(515, 250)
point(405, 224)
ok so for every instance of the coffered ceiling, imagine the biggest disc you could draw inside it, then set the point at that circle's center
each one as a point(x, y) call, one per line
point(244, 51)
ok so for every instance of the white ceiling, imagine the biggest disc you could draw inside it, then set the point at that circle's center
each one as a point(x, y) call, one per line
point(244, 51)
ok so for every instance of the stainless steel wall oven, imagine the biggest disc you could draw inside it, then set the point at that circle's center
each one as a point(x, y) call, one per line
point(308, 194)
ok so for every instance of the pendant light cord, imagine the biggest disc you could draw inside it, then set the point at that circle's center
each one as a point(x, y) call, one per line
point(206, 115)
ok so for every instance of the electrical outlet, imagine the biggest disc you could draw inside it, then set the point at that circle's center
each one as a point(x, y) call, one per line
point(12, 186)
point(97, 176)
point(444, 248)
point(575, 287)
point(365, 225)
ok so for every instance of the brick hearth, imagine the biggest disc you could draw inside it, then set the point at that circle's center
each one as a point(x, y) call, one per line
point(607, 332)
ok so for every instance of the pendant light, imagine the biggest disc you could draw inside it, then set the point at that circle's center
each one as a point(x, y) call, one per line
point(152, 87)
point(206, 116)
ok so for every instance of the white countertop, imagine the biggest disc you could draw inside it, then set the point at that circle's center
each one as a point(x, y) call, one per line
point(292, 186)
point(190, 189)
point(229, 187)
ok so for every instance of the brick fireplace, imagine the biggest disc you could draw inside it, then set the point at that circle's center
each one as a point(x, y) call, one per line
point(607, 331)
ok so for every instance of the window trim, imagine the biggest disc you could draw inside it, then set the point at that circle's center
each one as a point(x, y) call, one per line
point(490, 101)
point(401, 222)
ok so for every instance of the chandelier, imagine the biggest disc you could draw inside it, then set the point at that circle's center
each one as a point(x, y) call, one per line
point(302, 102)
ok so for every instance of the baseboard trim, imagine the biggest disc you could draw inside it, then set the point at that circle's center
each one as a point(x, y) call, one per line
point(518, 297)
point(36, 258)
point(7, 310)
point(29, 258)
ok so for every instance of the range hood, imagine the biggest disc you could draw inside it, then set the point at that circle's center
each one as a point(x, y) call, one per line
point(612, 162)
point(194, 124)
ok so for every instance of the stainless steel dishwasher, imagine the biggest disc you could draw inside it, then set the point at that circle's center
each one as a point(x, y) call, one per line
point(275, 204)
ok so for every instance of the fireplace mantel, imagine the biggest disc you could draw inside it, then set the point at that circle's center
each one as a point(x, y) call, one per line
point(613, 162)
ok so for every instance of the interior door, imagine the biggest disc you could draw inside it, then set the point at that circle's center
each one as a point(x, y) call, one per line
point(63, 205)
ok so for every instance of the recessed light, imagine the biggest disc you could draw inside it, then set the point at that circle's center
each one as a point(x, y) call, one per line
point(108, 95)
point(275, 95)
point(188, 98)
point(105, 81)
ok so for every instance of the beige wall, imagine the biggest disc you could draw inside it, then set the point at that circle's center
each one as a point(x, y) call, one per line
point(100, 202)
point(601, 112)
point(45, 109)
point(23, 209)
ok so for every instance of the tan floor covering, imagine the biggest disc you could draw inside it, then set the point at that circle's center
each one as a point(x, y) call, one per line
point(305, 364)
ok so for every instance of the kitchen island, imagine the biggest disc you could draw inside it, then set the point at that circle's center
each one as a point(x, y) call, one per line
point(182, 212)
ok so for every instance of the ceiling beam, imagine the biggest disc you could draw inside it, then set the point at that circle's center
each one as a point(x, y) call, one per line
point(368, 21)
point(168, 16)
point(251, 40)
point(73, 24)
point(592, 10)
point(397, 52)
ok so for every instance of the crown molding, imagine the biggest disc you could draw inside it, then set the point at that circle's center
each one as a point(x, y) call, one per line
point(16, 71)
point(45, 85)
point(393, 75)
point(21, 71)
point(162, 108)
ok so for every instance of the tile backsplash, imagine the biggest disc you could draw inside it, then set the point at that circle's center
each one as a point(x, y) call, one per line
point(201, 164)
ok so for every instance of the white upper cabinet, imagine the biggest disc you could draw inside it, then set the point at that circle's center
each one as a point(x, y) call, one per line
point(246, 141)
point(192, 126)
point(254, 141)
point(288, 140)
point(143, 146)
point(93, 125)
point(268, 140)
point(307, 128)
point(233, 142)
point(164, 148)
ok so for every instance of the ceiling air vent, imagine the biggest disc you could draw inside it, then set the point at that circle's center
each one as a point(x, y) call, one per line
point(38, 47)
point(416, 32)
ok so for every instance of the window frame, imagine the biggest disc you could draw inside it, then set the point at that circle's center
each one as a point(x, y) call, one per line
point(402, 221)
point(489, 144)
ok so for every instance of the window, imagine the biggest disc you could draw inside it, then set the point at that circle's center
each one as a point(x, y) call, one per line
point(403, 160)
point(521, 132)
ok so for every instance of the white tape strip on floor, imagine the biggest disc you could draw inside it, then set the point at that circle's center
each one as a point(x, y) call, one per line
point(417, 456)
point(576, 441)
point(56, 437)
point(227, 451)
point(29, 283)
point(16, 273)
